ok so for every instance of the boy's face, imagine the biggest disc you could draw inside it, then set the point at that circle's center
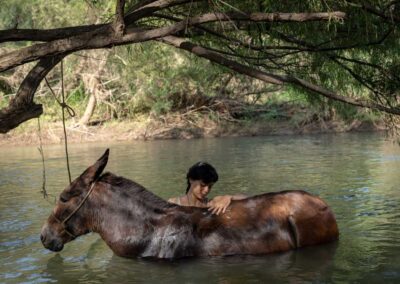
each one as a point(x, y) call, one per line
point(200, 189)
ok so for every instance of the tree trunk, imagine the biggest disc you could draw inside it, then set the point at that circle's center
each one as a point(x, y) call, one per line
point(89, 110)
point(92, 83)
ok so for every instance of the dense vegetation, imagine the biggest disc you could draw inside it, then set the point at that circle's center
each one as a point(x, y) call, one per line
point(327, 64)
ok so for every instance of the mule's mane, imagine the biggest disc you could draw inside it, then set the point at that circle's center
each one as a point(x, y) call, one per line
point(135, 190)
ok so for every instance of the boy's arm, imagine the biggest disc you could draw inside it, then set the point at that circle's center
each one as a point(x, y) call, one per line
point(219, 203)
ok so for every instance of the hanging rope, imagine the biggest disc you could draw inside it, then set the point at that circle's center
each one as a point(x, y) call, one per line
point(70, 111)
point(63, 119)
point(40, 148)
point(46, 195)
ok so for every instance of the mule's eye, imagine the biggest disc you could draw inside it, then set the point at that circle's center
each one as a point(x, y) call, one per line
point(63, 199)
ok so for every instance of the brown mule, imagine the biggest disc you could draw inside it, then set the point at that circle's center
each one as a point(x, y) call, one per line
point(135, 222)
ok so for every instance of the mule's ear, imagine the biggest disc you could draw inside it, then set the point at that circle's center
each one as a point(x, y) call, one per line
point(95, 170)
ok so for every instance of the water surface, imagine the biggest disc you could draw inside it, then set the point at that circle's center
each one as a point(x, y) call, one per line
point(357, 174)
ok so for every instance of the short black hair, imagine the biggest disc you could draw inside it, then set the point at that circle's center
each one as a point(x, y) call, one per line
point(201, 171)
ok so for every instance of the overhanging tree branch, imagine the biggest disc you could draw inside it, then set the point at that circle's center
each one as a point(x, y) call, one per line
point(22, 108)
point(271, 78)
point(145, 9)
point(231, 40)
point(45, 34)
point(101, 38)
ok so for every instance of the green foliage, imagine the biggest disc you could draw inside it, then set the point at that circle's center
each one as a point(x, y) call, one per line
point(365, 68)
point(42, 14)
point(155, 75)
point(4, 100)
point(157, 79)
point(77, 95)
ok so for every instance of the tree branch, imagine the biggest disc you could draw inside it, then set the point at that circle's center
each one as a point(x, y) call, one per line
point(146, 9)
point(271, 78)
point(103, 38)
point(234, 41)
point(119, 24)
point(22, 108)
point(275, 17)
point(45, 35)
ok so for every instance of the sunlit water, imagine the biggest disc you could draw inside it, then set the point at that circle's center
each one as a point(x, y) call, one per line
point(357, 174)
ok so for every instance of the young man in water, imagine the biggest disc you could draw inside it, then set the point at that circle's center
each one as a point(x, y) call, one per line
point(200, 179)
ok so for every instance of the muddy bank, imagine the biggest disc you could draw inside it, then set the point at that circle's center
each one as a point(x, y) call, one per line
point(174, 127)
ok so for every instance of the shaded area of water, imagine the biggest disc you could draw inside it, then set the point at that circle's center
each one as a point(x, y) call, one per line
point(358, 175)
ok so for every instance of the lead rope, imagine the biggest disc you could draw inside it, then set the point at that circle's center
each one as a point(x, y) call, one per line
point(62, 223)
point(63, 117)
point(70, 111)
point(64, 229)
point(40, 148)
point(80, 204)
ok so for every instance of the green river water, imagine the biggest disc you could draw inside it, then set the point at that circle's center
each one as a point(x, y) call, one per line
point(357, 174)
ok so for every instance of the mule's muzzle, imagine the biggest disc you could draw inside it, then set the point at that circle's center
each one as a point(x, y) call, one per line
point(52, 245)
point(50, 242)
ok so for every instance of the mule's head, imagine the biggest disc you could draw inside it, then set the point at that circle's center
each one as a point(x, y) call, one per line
point(57, 230)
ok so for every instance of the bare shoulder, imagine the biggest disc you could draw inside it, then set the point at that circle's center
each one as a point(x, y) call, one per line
point(239, 196)
point(173, 200)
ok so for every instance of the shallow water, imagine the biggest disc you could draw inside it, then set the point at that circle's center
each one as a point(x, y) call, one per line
point(357, 174)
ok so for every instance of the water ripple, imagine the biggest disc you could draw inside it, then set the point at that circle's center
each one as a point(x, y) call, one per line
point(356, 174)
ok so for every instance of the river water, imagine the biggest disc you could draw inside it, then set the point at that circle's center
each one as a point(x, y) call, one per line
point(357, 174)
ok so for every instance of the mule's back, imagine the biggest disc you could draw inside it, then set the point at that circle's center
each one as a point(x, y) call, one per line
point(311, 219)
point(268, 223)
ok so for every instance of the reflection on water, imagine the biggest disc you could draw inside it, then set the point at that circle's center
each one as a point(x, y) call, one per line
point(358, 175)
point(291, 265)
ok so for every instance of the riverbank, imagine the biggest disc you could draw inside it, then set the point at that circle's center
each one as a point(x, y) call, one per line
point(177, 127)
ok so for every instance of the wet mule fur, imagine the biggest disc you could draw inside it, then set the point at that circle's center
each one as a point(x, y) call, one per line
point(136, 223)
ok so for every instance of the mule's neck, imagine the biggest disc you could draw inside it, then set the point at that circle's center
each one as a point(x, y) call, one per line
point(126, 217)
point(135, 222)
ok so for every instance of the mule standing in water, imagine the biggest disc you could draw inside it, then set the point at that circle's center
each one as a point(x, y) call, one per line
point(136, 223)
